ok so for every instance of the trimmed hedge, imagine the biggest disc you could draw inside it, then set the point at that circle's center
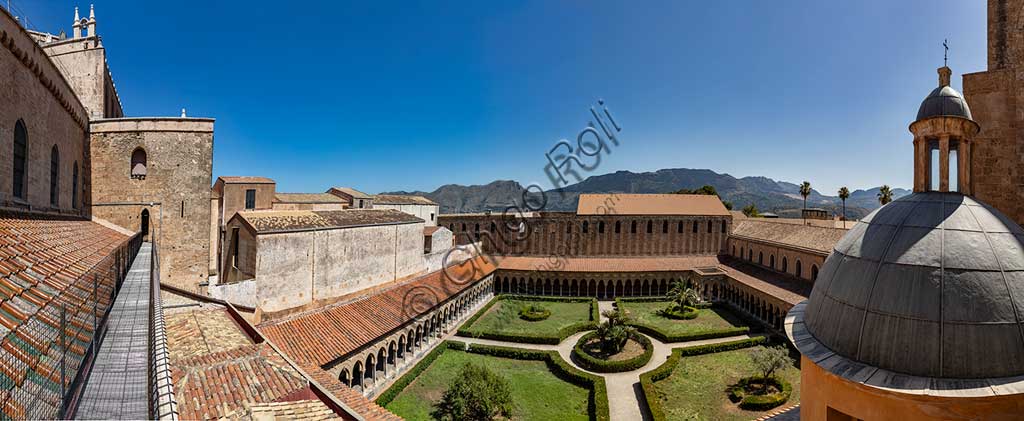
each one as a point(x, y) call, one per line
point(688, 313)
point(399, 385)
point(737, 393)
point(565, 332)
point(656, 299)
point(598, 406)
point(598, 365)
point(530, 314)
point(665, 369)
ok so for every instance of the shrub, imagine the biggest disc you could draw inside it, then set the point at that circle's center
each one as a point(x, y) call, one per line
point(534, 313)
point(759, 402)
point(685, 313)
point(476, 394)
point(599, 365)
point(467, 328)
point(669, 338)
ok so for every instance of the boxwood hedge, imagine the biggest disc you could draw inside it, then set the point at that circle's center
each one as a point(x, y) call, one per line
point(598, 365)
point(737, 393)
point(595, 316)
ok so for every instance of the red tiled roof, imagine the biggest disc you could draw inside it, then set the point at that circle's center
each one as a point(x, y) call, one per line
point(326, 334)
point(815, 239)
point(274, 221)
point(430, 230)
point(245, 180)
point(605, 264)
point(362, 405)
point(48, 263)
point(779, 286)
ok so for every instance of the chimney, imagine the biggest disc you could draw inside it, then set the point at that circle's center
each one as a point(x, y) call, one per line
point(944, 75)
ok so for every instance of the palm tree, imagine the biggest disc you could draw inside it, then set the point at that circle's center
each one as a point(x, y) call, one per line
point(884, 194)
point(805, 190)
point(844, 193)
point(682, 295)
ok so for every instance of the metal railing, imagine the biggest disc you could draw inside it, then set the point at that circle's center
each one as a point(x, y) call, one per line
point(162, 403)
point(45, 359)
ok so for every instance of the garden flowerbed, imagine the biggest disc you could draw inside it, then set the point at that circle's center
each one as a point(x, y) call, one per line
point(588, 354)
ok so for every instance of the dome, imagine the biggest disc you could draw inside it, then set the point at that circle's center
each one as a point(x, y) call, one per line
point(944, 101)
point(929, 285)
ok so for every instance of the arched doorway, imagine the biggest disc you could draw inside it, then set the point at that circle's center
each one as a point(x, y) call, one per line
point(144, 224)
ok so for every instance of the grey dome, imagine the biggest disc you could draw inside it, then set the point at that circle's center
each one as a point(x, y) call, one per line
point(944, 101)
point(929, 285)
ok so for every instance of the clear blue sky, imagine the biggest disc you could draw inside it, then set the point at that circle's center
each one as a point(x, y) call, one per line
point(389, 95)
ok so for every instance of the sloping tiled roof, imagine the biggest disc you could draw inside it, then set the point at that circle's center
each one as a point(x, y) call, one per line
point(307, 198)
point(368, 409)
point(430, 230)
point(326, 334)
point(812, 238)
point(265, 222)
point(306, 409)
point(230, 179)
point(48, 263)
point(352, 192)
point(605, 264)
point(401, 199)
point(651, 204)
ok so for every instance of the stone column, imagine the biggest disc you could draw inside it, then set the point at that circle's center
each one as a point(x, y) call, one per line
point(964, 156)
point(944, 163)
point(920, 164)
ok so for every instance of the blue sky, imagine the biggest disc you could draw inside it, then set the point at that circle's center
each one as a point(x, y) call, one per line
point(406, 95)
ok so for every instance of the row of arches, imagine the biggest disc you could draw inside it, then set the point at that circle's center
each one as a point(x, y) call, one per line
point(753, 304)
point(593, 287)
point(20, 167)
point(386, 357)
point(747, 254)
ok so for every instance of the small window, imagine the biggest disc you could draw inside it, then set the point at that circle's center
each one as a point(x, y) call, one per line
point(138, 167)
point(632, 227)
point(494, 228)
point(723, 227)
point(600, 227)
point(20, 155)
point(785, 264)
point(360, 203)
point(586, 225)
point(568, 228)
point(463, 226)
point(709, 227)
point(54, 176)
point(476, 228)
point(250, 199)
point(182, 208)
point(431, 216)
point(650, 227)
point(74, 186)
point(695, 227)
point(679, 227)
point(234, 247)
point(664, 227)
point(618, 227)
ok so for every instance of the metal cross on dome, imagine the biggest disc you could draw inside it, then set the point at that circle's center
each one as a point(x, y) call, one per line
point(945, 55)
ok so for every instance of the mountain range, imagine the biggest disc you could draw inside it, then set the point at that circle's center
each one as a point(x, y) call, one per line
point(780, 197)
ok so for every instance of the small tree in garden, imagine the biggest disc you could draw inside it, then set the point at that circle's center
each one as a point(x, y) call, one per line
point(768, 361)
point(614, 332)
point(682, 295)
point(476, 394)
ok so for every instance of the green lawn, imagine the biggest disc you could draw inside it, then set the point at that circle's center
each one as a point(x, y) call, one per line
point(709, 319)
point(696, 388)
point(503, 318)
point(537, 394)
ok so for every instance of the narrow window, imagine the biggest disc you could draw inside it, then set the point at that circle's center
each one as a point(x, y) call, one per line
point(20, 153)
point(664, 227)
point(138, 167)
point(632, 228)
point(234, 248)
point(785, 264)
point(494, 228)
point(709, 227)
point(431, 216)
point(463, 226)
point(600, 227)
point(360, 203)
point(618, 227)
point(568, 228)
point(54, 176)
point(182, 208)
point(476, 228)
point(585, 226)
point(679, 227)
point(250, 199)
point(954, 176)
point(650, 227)
point(694, 227)
point(933, 165)
point(799, 272)
point(74, 186)
point(723, 227)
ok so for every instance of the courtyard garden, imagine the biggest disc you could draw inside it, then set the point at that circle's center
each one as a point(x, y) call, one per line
point(721, 382)
point(531, 385)
point(529, 319)
point(710, 321)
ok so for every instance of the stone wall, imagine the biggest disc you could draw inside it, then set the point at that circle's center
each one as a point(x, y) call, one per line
point(779, 258)
point(83, 62)
point(565, 234)
point(425, 212)
point(294, 269)
point(33, 91)
point(175, 191)
point(309, 206)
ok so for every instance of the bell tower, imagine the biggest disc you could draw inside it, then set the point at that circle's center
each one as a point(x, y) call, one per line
point(944, 133)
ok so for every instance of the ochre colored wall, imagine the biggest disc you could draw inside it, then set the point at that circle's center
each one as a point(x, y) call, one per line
point(821, 390)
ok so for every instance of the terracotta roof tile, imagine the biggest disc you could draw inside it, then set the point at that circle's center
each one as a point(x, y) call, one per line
point(284, 221)
point(401, 199)
point(812, 238)
point(307, 198)
point(352, 192)
point(245, 180)
point(326, 334)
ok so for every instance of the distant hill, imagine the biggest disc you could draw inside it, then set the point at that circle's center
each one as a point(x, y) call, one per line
point(768, 195)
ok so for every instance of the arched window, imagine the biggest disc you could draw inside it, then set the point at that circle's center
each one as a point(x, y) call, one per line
point(20, 155)
point(799, 273)
point(74, 186)
point(695, 227)
point(814, 272)
point(785, 264)
point(709, 227)
point(54, 176)
point(771, 261)
point(586, 227)
point(138, 168)
point(723, 227)
point(600, 227)
point(750, 255)
point(733, 249)
point(760, 258)
point(650, 227)
point(618, 227)
point(632, 228)
point(664, 227)
point(679, 228)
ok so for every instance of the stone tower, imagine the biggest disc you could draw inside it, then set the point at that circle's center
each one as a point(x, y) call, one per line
point(944, 130)
point(995, 97)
